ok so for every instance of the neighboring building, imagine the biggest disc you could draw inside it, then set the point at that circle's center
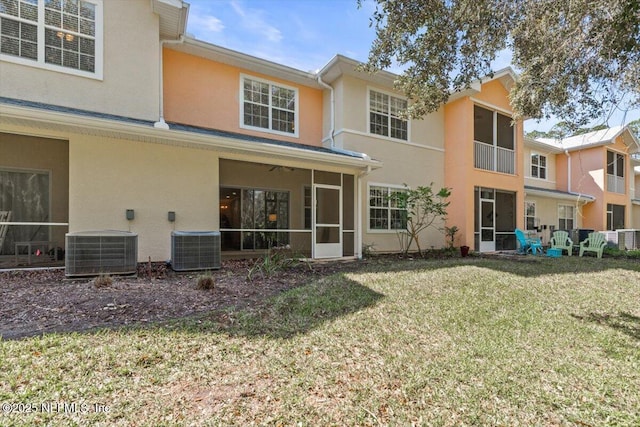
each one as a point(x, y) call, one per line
point(112, 119)
point(582, 182)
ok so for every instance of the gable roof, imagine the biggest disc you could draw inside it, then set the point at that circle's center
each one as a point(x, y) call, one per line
point(591, 139)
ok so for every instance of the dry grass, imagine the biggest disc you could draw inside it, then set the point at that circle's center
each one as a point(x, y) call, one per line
point(455, 342)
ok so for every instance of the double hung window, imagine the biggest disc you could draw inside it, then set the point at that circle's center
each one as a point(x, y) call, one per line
point(538, 166)
point(269, 107)
point(385, 210)
point(65, 35)
point(384, 115)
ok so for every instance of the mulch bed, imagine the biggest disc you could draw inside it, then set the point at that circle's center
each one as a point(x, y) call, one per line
point(44, 301)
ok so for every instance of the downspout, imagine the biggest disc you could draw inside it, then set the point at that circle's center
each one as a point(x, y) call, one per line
point(332, 146)
point(332, 121)
point(161, 124)
point(566, 152)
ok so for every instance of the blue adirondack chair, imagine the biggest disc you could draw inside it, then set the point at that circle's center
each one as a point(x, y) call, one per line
point(527, 244)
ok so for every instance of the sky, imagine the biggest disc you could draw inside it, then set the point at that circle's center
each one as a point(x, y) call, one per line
point(306, 34)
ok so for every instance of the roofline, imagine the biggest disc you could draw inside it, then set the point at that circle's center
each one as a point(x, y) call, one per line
point(238, 59)
point(141, 130)
point(556, 194)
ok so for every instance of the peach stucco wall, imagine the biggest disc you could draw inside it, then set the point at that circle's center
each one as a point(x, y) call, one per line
point(589, 176)
point(460, 174)
point(202, 92)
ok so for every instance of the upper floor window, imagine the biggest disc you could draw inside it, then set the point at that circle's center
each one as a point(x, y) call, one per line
point(494, 141)
point(615, 172)
point(384, 115)
point(63, 35)
point(538, 166)
point(269, 107)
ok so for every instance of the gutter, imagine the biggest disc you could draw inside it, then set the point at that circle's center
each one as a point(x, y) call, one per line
point(161, 124)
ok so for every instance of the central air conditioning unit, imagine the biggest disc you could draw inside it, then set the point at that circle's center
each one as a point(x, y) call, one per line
point(91, 253)
point(195, 250)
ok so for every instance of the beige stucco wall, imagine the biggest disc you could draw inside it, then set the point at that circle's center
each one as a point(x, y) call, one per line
point(416, 162)
point(550, 181)
point(130, 79)
point(108, 176)
point(547, 213)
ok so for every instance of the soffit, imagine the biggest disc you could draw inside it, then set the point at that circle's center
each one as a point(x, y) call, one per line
point(173, 17)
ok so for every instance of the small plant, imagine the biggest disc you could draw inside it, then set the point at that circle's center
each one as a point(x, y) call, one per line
point(451, 234)
point(278, 258)
point(367, 249)
point(102, 281)
point(205, 281)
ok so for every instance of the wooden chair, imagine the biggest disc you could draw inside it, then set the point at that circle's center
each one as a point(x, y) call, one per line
point(561, 240)
point(5, 216)
point(594, 243)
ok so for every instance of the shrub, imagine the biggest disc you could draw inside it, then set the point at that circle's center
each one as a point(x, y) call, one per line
point(102, 281)
point(205, 282)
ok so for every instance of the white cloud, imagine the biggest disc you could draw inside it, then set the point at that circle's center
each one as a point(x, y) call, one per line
point(206, 23)
point(253, 20)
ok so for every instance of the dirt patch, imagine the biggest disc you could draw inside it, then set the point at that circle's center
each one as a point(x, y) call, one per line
point(38, 302)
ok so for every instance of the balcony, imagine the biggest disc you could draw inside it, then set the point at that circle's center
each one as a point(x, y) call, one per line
point(616, 184)
point(492, 158)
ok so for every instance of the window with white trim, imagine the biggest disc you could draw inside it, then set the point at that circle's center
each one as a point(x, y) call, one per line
point(65, 35)
point(566, 217)
point(385, 212)
point(538, 166)
point(384, 115)
point(269, 107)
point(530, 215)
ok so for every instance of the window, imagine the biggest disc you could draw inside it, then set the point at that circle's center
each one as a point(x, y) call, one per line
point(494, 141)
point(530, 215)
point(269, 107)
point(566, 217)
point(615, 216)
point(26, 194)
point(258, 214)
point(483, 129)
point(385, 212)
point(615, 172)
point(65, 35)
point(538, 166)
point(384, 115)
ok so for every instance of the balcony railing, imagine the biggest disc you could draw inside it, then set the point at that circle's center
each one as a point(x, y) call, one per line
point(492, 158)
point(615, 184)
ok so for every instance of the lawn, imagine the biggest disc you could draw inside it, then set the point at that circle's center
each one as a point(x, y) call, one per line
point(472, 341)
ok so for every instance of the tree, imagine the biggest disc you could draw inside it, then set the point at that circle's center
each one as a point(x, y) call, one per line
point(576, 59)
point(423, 207)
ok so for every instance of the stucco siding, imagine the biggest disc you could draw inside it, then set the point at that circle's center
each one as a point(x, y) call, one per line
point(108, 176)
point(206, 93)
point(130, 75)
